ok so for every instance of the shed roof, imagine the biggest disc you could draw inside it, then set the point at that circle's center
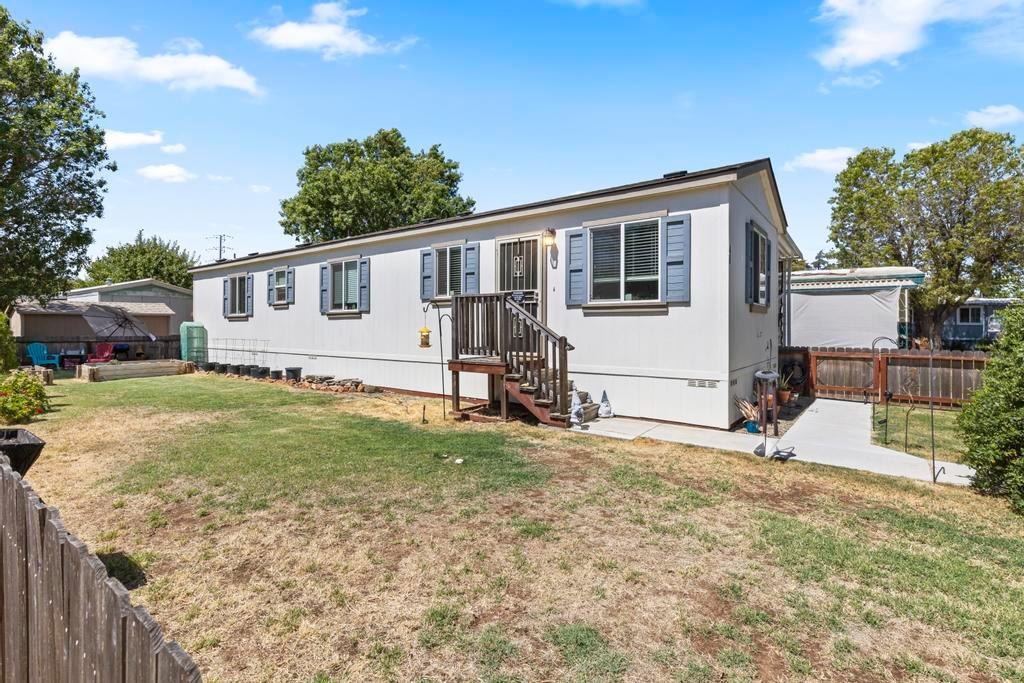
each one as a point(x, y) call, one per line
point(130, 284)
point(856, 278)
point(66, 307)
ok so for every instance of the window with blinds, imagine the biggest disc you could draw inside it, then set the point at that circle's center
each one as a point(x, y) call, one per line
point(280, 288)
point(624, 262)
point(448, 270)
point(345, 286)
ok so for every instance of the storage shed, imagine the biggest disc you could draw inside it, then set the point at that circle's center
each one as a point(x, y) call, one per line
point(851, 307)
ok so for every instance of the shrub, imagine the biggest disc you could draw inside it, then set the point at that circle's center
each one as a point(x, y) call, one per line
point(992, 422)
point(8, 352)
point(22, 395)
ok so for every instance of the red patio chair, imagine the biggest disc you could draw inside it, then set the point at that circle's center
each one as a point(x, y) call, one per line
point(103, 353)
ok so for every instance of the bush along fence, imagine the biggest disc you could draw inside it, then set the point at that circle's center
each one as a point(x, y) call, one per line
point(62, 618)
point(912, 376)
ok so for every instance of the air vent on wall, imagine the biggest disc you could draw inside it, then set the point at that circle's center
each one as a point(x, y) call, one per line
point(702, 383)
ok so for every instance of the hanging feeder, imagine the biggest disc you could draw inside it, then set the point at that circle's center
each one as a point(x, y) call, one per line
point(424, 337)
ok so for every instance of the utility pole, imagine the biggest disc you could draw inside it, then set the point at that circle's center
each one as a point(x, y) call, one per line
point(221, 244)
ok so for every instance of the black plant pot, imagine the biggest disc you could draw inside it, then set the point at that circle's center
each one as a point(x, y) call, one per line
point(263, 372)
point(234, 369)
point(275, 374)
point(22, 447)
point(293, 374)
point(220, 368)
point(254, 371)
point(208, 367)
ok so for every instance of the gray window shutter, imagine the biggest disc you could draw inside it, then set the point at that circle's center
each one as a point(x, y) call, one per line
point(426, 274)
point(576, 267)
point(675, 258)
point(748, 261)
point(270, 288)
point(768, 273)
point(289, 285)
point(226, 310)
point(325, 288)
point(248, 294)
point(471, 268)
point(364, 285)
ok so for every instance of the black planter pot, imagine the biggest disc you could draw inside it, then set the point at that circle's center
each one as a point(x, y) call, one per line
point(254, 371)
point(234, 369)
point(209, 367)
point(22, 447)
point(275, 374)
point(293, 374)
point(220, 368)
point(264, 372)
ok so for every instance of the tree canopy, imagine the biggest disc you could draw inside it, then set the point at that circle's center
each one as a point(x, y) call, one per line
point(52, 160)
point(954, 209)
point(145, 257)
point(359, 186)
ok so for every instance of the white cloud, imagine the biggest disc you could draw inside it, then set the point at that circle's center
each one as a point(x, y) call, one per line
point(995, 116)
point(118, 58)
point(862, 81)
point(870, 31)
point(119, 139)
point(914, 146)
point(260, 189)
point(176, 148)
point(184, 44)
point(165, 173)
point(829, 160)
point(218, 178)
point(328, 32)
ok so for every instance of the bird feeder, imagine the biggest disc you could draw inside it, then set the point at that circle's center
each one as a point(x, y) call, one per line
point(424, 337)
point(767, 389)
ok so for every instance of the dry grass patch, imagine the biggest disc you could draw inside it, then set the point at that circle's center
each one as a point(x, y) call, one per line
point(546, 556)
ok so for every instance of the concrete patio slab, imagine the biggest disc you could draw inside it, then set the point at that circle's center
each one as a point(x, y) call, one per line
point(836, 433)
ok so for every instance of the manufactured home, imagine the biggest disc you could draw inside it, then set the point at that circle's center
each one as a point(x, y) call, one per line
point(666, 294)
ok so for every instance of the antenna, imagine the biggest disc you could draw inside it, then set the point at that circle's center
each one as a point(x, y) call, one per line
point(221, 244)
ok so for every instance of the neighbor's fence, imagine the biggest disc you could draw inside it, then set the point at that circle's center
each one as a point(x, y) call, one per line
point(61, 617)
point(859, 374)
point(162, 347)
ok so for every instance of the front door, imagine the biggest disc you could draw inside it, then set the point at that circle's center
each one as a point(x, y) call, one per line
point(519, 272)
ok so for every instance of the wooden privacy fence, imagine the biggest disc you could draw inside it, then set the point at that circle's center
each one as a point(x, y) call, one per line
point(859, 374)
point(61, 618)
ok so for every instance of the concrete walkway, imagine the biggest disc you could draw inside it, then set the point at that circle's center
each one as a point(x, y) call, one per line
point(836, 433)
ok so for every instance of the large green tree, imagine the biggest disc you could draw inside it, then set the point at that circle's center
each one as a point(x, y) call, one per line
point(954, 209)
point(52, 162)
point(359, 186)
point(145, 257)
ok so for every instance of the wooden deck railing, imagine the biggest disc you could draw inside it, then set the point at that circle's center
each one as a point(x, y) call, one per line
point(493, 325)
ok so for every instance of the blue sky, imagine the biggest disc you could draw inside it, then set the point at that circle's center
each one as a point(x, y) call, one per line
point(211, 104)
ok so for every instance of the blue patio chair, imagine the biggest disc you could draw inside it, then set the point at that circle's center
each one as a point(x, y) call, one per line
point(40, 356)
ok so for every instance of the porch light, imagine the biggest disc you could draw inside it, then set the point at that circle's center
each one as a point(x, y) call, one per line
point(424, 337)
point(549, 237)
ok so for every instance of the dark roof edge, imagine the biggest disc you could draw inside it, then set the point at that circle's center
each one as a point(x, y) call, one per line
point(742, 170)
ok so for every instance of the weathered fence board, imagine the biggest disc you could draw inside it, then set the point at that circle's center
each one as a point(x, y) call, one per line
point(860, 374)
point(62, 619)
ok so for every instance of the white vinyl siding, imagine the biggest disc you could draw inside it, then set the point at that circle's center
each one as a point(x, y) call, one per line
point(236, 295)
point(448, 271)
point(345, 286)
point(625, 262)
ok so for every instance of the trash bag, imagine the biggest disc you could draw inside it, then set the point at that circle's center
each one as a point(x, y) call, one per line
point(605, 409)
point(576, 409)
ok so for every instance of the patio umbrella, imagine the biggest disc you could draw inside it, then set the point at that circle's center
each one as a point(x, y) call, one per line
point(111, 322)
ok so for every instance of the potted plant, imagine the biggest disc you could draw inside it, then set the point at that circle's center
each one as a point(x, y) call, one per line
point(751, 414)
point(785, 388)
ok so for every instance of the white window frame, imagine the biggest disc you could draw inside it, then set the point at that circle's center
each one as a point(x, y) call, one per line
point(339, 267)
point(968, 309)
point(621, 227)
point(447, 249)
point(759, 275)
point(236, 295)
point(280, 290)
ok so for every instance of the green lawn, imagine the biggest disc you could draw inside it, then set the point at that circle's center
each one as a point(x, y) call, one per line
point(340, 534)
point(948, 443)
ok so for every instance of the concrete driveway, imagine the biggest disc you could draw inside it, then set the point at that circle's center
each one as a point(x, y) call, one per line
point(836, 433)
